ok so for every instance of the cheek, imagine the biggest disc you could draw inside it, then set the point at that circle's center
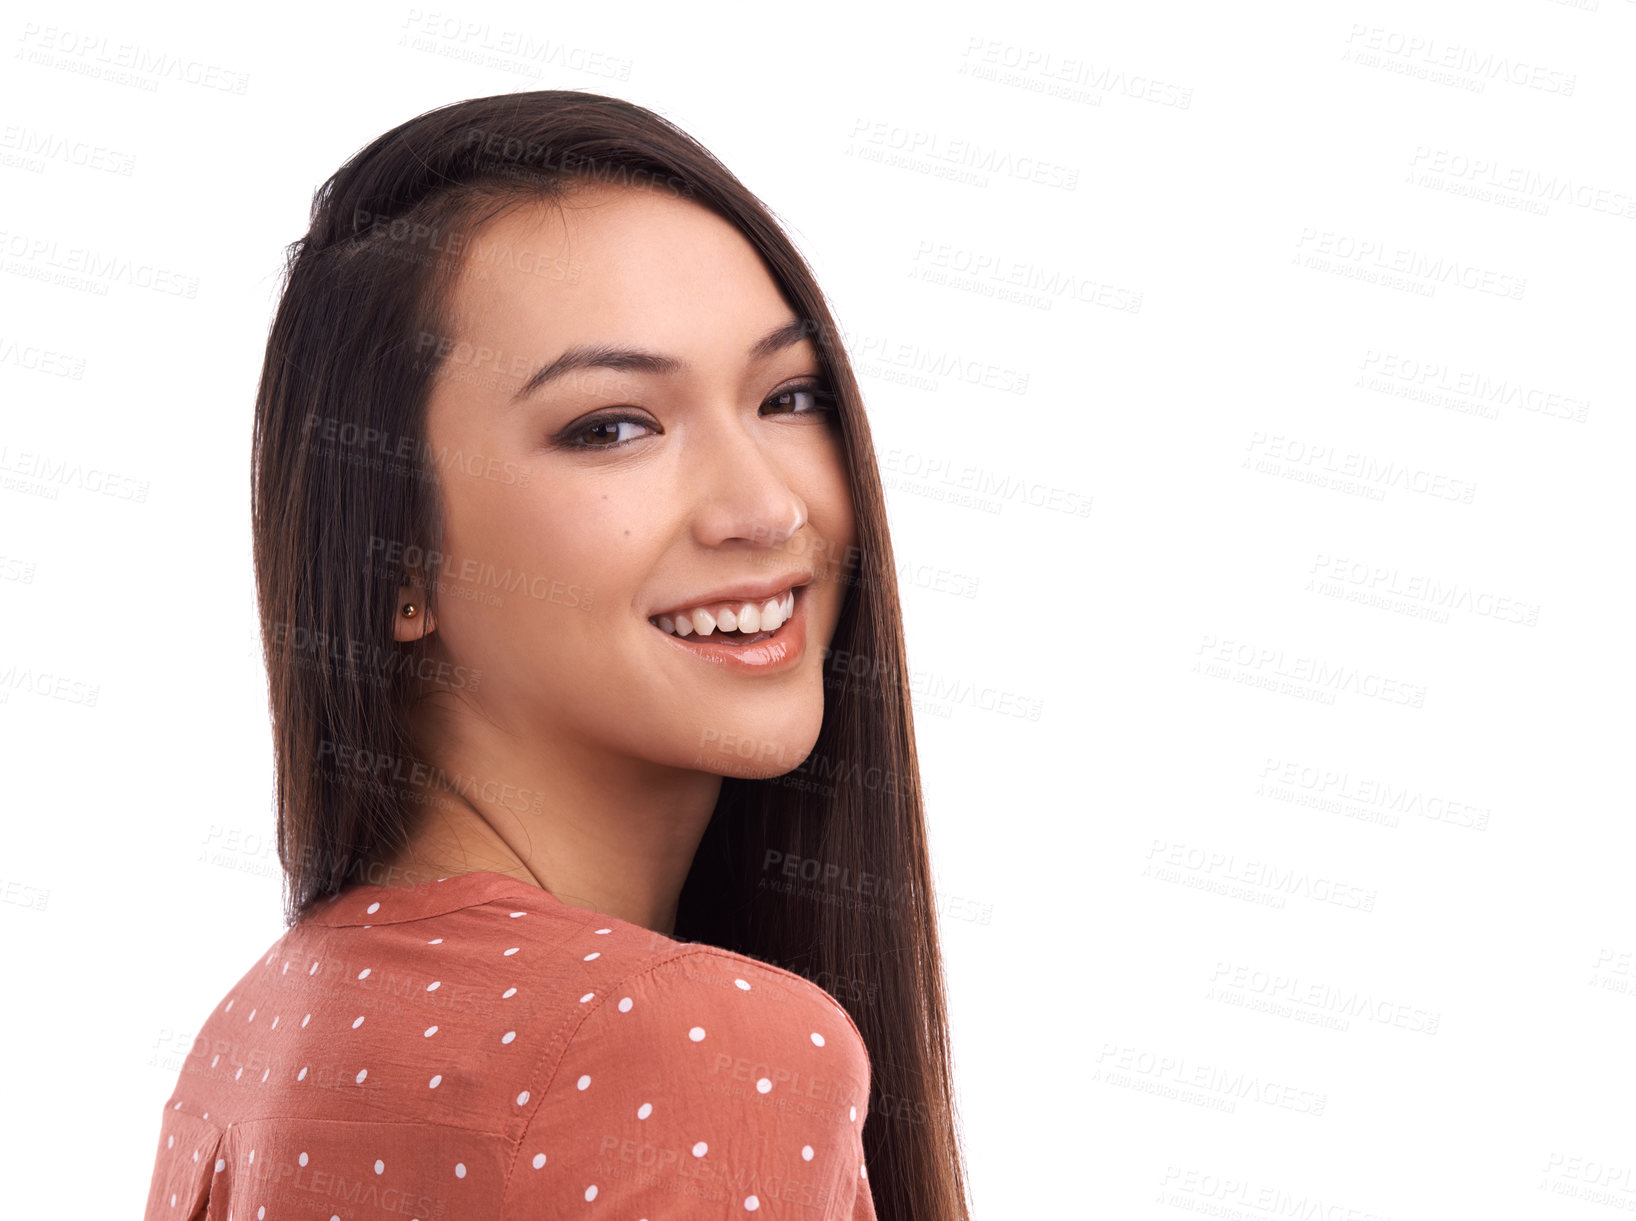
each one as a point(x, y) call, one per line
point(529, 528)
point(831, 511)
point(551, 562)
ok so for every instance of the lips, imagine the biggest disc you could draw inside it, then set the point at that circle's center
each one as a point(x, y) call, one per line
point(730, 621)
point(724, 607)
point(760, 652)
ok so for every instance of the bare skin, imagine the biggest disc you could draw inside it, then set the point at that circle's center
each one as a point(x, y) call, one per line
point(590, 752)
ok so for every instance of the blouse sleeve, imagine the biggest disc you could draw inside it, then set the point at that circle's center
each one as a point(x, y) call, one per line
point(708, 1085)
point(184, 1169)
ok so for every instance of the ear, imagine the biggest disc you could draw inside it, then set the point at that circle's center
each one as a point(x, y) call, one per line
point(417, 623)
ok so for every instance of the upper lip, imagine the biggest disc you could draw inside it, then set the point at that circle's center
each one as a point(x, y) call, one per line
point(747, 591)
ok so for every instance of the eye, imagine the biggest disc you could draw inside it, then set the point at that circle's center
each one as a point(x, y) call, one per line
point(600, 428)
point(818, 399)
point(607, 432)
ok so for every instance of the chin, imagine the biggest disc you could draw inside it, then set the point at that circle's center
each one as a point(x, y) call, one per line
point(750, 751)
point(752, 770)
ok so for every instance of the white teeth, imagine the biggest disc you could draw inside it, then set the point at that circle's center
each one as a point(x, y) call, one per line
point(750, 617)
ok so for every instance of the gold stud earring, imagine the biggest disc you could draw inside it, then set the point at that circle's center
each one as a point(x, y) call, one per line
point(408, 610)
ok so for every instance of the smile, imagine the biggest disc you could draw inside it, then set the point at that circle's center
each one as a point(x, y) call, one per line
point(730, 622)
point(736, 634)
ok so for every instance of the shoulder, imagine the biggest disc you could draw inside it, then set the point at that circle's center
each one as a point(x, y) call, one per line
point(706, 1005)
point(706, 1073)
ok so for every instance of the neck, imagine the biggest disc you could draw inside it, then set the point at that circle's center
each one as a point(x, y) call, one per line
point(614, 835)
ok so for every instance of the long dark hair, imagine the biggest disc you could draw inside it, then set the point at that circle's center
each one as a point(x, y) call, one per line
point(824, 870)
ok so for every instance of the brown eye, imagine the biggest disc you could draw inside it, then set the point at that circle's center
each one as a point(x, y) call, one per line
point(816, 399)
point(605, 431)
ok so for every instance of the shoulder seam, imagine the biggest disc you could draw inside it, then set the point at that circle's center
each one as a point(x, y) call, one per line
point(790, 979)
point(561, 1042)
point(571, 1030)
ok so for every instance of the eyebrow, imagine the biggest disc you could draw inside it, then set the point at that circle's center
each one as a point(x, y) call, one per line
point(639, 360)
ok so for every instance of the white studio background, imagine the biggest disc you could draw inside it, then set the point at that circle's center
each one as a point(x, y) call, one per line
point(1252, 388)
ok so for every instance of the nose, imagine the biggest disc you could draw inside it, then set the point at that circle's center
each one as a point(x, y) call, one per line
point(742, 492)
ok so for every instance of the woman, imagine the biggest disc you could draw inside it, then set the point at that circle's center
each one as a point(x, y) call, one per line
point(608, 890)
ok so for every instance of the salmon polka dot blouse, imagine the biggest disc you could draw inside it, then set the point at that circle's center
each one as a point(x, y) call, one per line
point(475, 1049)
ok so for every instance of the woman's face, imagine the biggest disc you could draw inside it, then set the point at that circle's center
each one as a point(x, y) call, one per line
point(568, 531)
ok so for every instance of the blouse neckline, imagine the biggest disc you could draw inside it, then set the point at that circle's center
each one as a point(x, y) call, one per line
point(358, 904)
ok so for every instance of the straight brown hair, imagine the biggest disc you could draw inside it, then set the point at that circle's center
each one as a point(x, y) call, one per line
point(824, 870)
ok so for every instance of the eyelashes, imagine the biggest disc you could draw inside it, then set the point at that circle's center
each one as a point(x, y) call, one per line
point(821, 397)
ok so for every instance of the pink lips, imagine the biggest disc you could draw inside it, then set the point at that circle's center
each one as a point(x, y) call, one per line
point(778, 651)
point(748, 591)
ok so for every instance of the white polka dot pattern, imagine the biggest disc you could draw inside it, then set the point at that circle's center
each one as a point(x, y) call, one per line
point(474, 1046)
point(711, 1068)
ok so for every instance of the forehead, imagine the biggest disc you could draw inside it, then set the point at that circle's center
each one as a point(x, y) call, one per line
point(616, 264)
